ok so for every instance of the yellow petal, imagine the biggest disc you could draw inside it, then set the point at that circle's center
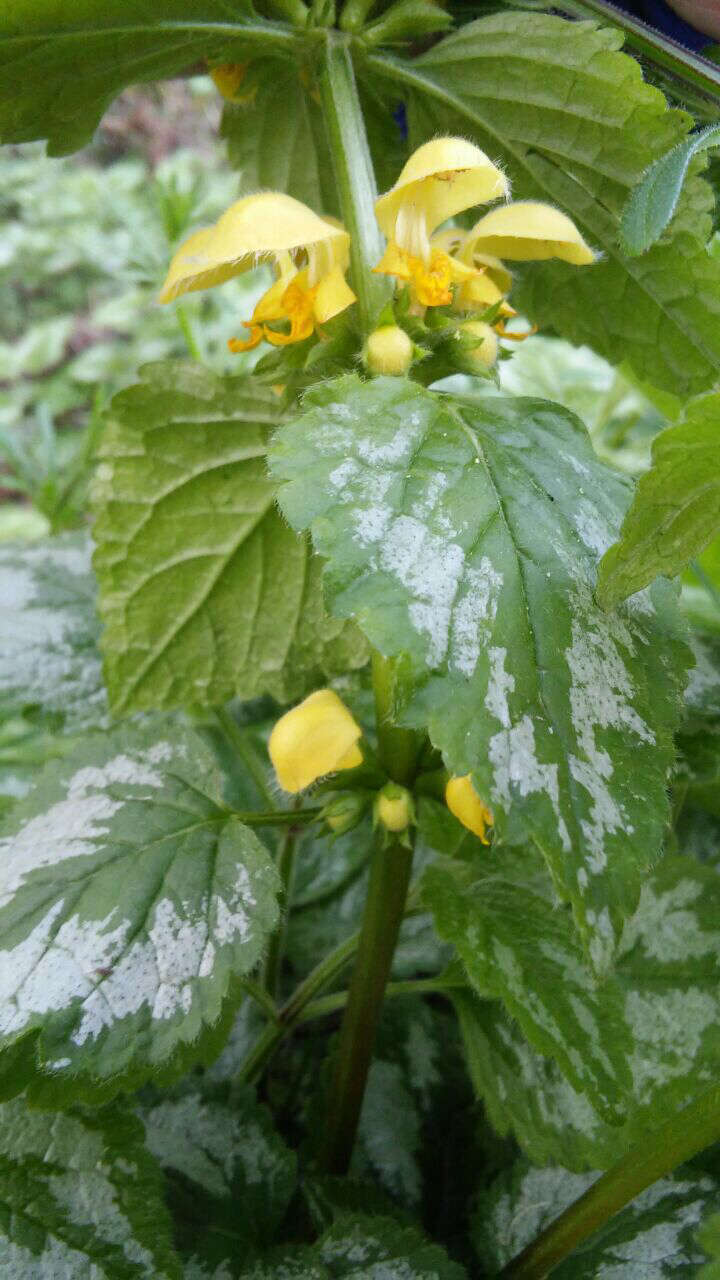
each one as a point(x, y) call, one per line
point(529, 231)
point(193, 267)
point(333, 295)
point(259, 226)
point(394, 262)
point(463, 800)
point(227, 78)
point(441, 178)
point(317, 737)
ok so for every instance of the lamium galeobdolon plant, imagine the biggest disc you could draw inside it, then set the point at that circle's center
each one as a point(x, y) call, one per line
point(363, 918)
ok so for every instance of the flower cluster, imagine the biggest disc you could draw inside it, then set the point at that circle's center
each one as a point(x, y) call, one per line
point(320, 736)
point(442, 266)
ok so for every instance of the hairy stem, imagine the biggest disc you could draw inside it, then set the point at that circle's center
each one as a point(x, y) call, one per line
point(690, 1131)
point(354, 174)
point(246, 752)
point(286, 867)
point(398, 749)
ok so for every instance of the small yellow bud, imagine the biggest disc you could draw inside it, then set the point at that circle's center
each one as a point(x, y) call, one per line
point(464, 802)
point(394, 808)
point(227, 78)
point(389, 350)
point(485, 353)
point(318, 736)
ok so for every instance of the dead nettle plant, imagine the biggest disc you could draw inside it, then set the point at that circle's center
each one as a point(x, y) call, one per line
point(388, 765)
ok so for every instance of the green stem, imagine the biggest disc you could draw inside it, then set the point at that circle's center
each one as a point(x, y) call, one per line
point(291, 1013)
point(415, 987)
point(354, 175)
point(294, 10)
point(398, 749)
point(279, 818)
point(683, 1136)
point(261, 997)
point(384, 906)
point(246, 752)
point(286, 867)
point(191, 343)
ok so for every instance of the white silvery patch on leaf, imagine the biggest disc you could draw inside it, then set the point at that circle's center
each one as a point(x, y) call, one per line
point(49, 631)
point(128, 899)
point(96, 1197)
point(463, 536)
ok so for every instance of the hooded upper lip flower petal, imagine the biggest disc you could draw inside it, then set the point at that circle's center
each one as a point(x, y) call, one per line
point(270, 226)
point(439, 180)
point(318, 736)
point(528, 231)
point(464, 802)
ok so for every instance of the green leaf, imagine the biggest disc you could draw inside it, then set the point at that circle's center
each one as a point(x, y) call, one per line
point(204, 591)
point(676, 509)
point(280, 150)
point(702, 696)
point(49, 631)
point(653, 203)
point(131, 899)
point(667, 985)
point(652, 1237)
point(457, 539)
point(357, 1247)
point(709, 1238)
point(573, 122)
point(238, 1174)
point(81, 1197)
point(61, 65)
point(537, 970)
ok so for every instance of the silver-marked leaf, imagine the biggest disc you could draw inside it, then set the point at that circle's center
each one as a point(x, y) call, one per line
point(569, 117)
point(667, 986)
point(702, 696)
point(81, 1197)
point(49, 630)
point(357, 1247)
point(709, 1238)
point(129, 901)
point(242, 1174)
point(675, 512)
point(653, 1238)
point(463, 537)
point(204, 591)
point(515, 947)
point(654, 201)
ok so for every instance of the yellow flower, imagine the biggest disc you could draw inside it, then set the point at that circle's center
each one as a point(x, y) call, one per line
point(228, 77)
point(439, 180)
point(274, 227)
point(318, 736)
point(528, 231)
point(464, 802)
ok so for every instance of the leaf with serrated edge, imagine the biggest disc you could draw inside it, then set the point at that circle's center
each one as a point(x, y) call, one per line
point(129, 901)
point(463, 536)
point(676, 509)
point(42, 44)
point(204, 591)
point(654, 201)
point(538, 971)
point(667, 985)
point(358, 1246)
point(232, 1155)
point(49, 630)
point(81, 1196)
point(569, 116)
point(653, 1236)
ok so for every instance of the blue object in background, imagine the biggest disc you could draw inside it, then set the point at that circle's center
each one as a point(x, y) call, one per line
point(659, 15)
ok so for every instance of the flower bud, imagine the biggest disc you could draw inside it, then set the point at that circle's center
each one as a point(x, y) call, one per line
point(318, 736)
point(389, 350)
point(464, 802)
point(344, 812)
point(394, 808)
point(227, 78)
point(485, 353)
